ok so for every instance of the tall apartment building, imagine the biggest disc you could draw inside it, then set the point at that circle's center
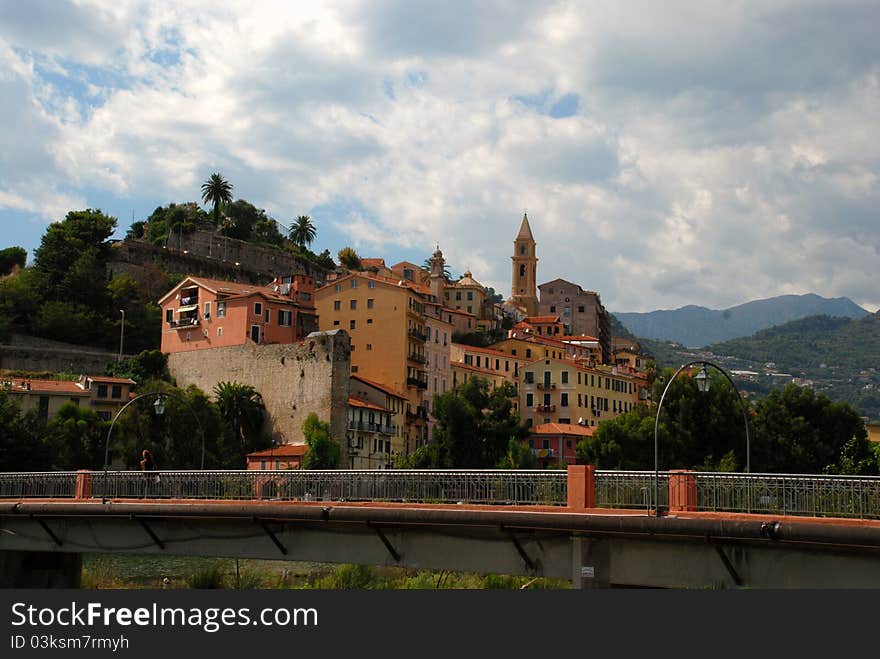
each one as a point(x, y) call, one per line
point(386, 321)
point(437, 356)
point(580, 311)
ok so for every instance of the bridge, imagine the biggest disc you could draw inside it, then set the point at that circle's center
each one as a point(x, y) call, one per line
point(596, 528)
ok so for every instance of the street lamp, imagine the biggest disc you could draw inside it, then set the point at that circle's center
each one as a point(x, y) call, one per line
point(702, 379)
point(121, 334)
point(159, 408)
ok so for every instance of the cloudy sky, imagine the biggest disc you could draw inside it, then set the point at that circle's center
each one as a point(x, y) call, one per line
point(668, 153)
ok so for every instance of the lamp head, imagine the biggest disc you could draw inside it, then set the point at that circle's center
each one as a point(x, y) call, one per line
point(702, 379)
point(159, 406)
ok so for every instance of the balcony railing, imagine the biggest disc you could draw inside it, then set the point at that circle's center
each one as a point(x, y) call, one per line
point(546, 385)
point(545, 408)
point(418, 358)
point(366, 426)
point(417, 334)
point(184, 322)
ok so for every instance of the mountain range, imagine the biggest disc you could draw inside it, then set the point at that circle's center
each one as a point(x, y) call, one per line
point(698, 326)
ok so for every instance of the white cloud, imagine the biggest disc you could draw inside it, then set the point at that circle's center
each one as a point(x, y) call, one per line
point(713, 154)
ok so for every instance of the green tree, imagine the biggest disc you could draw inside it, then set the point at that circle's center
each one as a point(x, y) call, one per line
point(348, 258)
point(147, 365)
point(517, 456)
point(243, 412)
point(216, 191)
point(22, 438)
point(77, 437)
point(10, 258)
point(475, 426)
point(324, 452)
point(302, 232)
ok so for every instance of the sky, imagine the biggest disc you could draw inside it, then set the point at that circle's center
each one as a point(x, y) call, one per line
point(707, 152)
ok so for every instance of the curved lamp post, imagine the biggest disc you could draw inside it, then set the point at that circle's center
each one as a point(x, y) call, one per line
point(159, 407)
point(702, 379)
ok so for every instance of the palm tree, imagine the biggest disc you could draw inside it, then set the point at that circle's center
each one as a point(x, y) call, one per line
point(242, 408)
point(302, 232)
point(216, 190)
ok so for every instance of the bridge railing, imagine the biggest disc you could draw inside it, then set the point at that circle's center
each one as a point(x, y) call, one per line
point(789, 494)
point(42, 484)
point(432, 486)
point(630, 489)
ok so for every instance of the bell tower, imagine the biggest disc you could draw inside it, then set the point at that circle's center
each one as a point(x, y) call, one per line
point(525, 266)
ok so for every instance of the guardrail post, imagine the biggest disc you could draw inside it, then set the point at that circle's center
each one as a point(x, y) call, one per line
point(83, 484)
point(581, 486)
point(682, 491)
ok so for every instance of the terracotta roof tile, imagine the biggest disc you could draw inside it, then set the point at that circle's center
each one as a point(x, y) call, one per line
point(563, 429)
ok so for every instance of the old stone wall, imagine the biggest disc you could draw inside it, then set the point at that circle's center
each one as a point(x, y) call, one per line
point(31, 353)
point(205, 254)
point(293, 379)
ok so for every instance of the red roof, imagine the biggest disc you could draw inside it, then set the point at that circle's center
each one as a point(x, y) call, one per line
point(101, 378)
point(563, 429)
point(282, 451)
point(582, 337)
point(65, 387)
point(378, 385)
point(230, 290)
point(488, 351)
point(540, 319)
point(373, 263)
point(354, 401)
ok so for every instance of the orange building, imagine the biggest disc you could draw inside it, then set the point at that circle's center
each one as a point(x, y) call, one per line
point(386, 321)
point(284, 456)
point(202, 313)
point(553, 443)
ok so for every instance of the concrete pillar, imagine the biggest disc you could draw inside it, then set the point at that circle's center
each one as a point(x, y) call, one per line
point(40, 569)
point(581, 487)
point(682, 491)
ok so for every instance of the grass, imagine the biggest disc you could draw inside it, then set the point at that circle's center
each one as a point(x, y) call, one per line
point(123, 571)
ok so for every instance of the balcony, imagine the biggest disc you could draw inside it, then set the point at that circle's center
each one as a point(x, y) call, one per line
point(545, 408)
point(546, 385)
point(419, 413)
point(418, 358)
point(184, 323)
point(417, 382)
point(417, 334)
point(366, 426)
point(544, 453)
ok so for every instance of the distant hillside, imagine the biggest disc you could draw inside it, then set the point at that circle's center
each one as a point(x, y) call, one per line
point(839, 355)
point(699, 326)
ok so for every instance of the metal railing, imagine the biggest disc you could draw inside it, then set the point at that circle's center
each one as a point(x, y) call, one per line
point(776, 494)
point(630, 489)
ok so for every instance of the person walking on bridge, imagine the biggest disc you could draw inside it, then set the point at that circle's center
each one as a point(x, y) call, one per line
point(150, 469)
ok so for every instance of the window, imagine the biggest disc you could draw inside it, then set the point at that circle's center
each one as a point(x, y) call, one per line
point(335, 323)
point(369, 321)
point(116, 391)
point(353, 305)
point(371, 284)
point(354, 283)
point(547, 400)
point(470, 309)
point(221, 310)
point(530, 377)
point(530, 400)
point(545, 443)
point(285, 318)
point(552, 308)
point(102, 391)
point(354, 369)
point(580, 401)
point(337, 305)
point(369, 347)
point(266, 317)
point(44, 407)
point(458, 295)
point(258, 309)
point(564, 377)
point(219, 331)
point(563, 399)
point(528, 352)
point(169, 315)
point(338, 287)
point(580, 308)
point(470, 296)
point(352, 324)
point(370, 303)
point(207, 309)
point(522, 249)
point(522, 271)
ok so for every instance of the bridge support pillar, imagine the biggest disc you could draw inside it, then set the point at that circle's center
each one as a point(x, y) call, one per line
point(40, 569)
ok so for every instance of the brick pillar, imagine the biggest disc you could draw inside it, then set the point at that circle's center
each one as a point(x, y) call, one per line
point(581, 487)
point(83, 484)
point(682, 491)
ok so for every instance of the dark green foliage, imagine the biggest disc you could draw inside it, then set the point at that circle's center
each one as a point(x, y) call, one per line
point(323, 453)
point(241, 407)
point(244, 221)
point(518, 456)
point(148, 365)
point(77, 436)
point(474, 427)
point(167, 224)
point(10, 258)
point(23, 445)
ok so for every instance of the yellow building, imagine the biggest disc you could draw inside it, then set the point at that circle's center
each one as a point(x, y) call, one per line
point(489, 360)
point(437, 357)
point(386, 321)
point(565, 392)
point(370, 433)
point(385, 397)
